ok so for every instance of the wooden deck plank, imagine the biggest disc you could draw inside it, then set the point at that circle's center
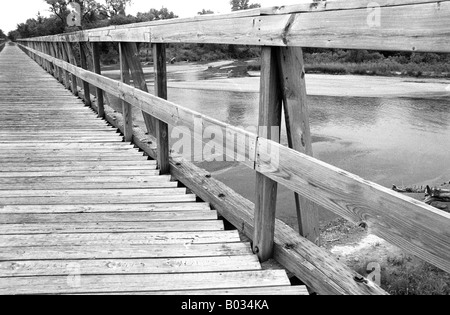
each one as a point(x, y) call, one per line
point(80, 167)
point(191, 205)
point(123, 251)
point(137, 283)
point(80, 173)
point(107, 239)
point(5, 194)
point(28, 218)
point(263, 291)
point(100, 199)
point(67, 185)
point(110, 227)
point(12, 269)
point(103, 178)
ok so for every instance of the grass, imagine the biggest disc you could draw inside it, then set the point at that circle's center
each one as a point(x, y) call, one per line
point(401, 274)
point(406, 275)
point(374, 68)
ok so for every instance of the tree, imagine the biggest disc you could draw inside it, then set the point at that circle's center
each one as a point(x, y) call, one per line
point(117, 7)
point(238, 5)
point(204, 12)
point(90, 9)
point(155, 15)
point(2, 35)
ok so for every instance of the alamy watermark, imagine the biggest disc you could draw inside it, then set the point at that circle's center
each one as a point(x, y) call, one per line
point(218, 144)
point(374, 272)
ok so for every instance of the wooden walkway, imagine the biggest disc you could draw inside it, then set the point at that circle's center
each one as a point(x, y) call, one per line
point(83, 212)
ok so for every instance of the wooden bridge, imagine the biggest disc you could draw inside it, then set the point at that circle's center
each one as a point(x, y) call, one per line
point(82, 210)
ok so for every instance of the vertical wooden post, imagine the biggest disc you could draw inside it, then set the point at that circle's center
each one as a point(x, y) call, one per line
point(55, 54)
point(36, 47)
point(270, 109)
point(47, 63)
point(292, 78)
point(98, 70)
point(162, 129)
point(126, 108)
point(52, 66)
point(71, 59)
point(132, 55)
point(63, 56)
point(83, 58)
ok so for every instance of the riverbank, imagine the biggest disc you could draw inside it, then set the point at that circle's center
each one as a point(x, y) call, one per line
point(335, 85)
point(189, 75)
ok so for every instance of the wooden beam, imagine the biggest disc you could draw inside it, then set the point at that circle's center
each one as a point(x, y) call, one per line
point(98, 70)
point(405, 222)
point(63, 56)
point(137, 74)
point(59, 71)
point(126, 107)
point(162, 129)
point(267, 189)
point(419, 26)
point(84, 65)
point(71, 60)
point(292, 78)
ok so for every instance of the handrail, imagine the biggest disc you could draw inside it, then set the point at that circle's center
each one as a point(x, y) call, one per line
point(329, 24)
point(411, 225)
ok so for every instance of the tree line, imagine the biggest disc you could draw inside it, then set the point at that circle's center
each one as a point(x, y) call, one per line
point(95, 15)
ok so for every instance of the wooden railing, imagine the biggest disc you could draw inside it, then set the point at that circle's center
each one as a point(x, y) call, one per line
point(413, 25)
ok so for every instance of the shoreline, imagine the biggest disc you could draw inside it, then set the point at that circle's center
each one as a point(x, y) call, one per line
point(335, 85)
point(338, 85)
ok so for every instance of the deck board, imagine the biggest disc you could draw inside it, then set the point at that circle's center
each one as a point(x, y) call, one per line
point(82, 212)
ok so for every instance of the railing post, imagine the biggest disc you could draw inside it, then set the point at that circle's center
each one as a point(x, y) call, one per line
point(71, 59)
point(162, 129)
point(126, 108)
point(54, 53)
point(62, 56)
point(98, 70)
point(270, 109)
point(51, 66)
point(44, 50)
point(132, 55)
point(83, 58)
point(292, 76)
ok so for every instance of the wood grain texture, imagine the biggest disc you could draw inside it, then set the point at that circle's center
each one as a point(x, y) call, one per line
point(162, 128)
point(137, 73)
point(15, 269)
point(292, 78)
point(137, 283)
point(76, 201)
point(269, 127)
point(171, 113)
point(97, 69)
point(126, 107)
point(404, 26)
point(405, 222)
point(123, 251)
point(317, 268)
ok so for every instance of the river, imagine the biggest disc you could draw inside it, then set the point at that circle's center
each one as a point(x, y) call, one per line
point(400, 138)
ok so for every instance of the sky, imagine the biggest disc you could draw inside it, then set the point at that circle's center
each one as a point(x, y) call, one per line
point(14, 12)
